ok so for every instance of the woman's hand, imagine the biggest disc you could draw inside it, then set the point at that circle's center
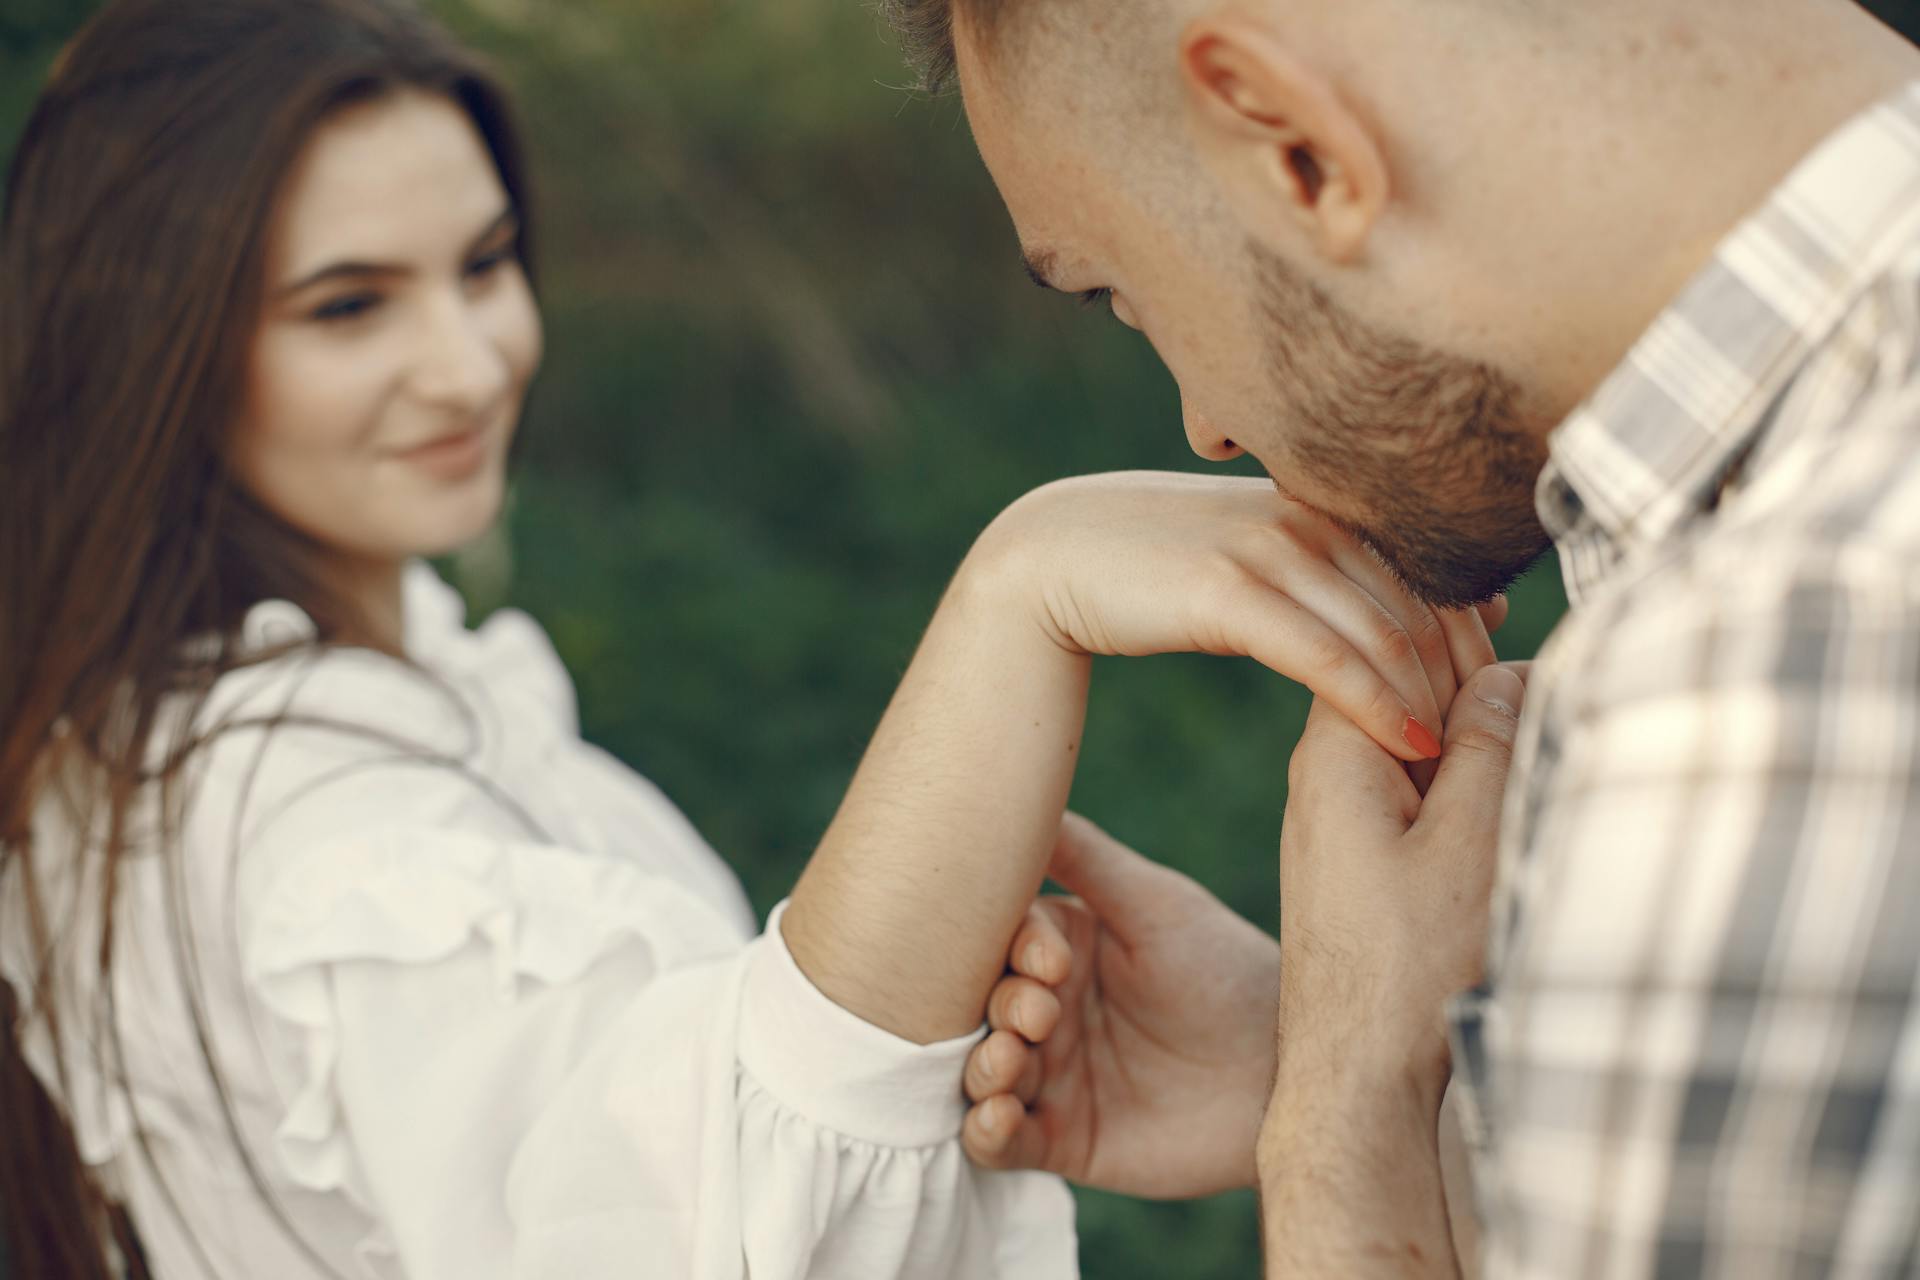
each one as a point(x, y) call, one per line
point(1139, 563)
point(904, 914)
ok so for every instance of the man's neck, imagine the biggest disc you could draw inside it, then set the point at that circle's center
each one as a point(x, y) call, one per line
point(1732, 98)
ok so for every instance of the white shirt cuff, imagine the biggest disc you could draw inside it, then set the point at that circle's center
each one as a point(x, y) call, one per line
point(838, 1070)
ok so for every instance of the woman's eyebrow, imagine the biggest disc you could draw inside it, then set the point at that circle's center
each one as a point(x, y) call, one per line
point(508, 217)
point(355, 270)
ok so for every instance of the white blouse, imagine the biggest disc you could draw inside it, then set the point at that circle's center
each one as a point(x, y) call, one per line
point(499, 1013)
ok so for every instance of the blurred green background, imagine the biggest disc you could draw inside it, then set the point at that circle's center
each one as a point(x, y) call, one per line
point(794, 368)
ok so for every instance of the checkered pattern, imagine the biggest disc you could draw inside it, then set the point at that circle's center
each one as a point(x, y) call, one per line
point(1699, 1050)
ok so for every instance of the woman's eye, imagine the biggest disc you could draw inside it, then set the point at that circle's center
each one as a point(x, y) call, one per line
point(1094, 297)
point(487, 264)
point(351, 307)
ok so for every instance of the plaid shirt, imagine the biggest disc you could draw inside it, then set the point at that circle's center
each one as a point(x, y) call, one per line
point(1699, 1050)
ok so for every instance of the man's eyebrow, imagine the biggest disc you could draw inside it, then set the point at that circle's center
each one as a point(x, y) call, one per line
point(506, 218)
point(1040, 265)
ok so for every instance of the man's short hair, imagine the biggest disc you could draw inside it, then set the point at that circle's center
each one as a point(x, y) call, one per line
point(925, 28)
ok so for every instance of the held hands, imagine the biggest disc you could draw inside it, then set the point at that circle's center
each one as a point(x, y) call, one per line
point(1385, 893)
point(1133, 1042)
point(1147, 562)
point(1132, 1045)
point(1384, 903)
point(902, 915)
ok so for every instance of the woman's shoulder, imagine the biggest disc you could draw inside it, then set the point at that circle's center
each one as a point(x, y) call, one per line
point(429, 696)
point(304, 737)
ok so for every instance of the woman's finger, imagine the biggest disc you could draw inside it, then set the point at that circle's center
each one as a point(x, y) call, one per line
point(1416, 666)
point(1040, 949)
point(1469, 646)
point(1277, 632)
point(1424, 624)
point(1494, 613)
point(1021, 1005)
point(996, 1066)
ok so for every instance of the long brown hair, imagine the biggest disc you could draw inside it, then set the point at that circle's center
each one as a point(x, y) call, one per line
point(131, 259)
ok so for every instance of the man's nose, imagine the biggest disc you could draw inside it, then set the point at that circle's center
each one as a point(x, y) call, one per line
point(1205, 438)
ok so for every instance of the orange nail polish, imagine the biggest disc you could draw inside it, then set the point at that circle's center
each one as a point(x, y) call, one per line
point(1422, 740)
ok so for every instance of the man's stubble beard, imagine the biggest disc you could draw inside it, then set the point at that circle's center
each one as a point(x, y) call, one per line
point(1431, 454)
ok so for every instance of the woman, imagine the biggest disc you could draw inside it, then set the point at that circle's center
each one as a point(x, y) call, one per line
point(335, 950)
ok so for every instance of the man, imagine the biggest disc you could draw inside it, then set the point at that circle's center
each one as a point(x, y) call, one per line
point(1638, 276)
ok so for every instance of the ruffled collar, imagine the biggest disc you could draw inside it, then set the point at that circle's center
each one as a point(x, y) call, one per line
point(509, 650)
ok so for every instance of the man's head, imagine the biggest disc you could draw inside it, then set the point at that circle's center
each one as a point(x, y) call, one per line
point(1385, 246)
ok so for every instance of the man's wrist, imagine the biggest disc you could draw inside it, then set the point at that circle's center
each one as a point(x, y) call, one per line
point(1349, 1169)
point(1318, 1083)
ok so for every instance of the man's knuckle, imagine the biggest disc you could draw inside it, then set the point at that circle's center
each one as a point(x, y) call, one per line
point(1481, 740)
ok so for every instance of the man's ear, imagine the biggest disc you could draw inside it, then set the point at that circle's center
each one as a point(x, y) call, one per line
point(1291, 155)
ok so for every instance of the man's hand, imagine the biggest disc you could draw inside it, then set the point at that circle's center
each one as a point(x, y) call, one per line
point(1133, 1045)
point(1384, 901)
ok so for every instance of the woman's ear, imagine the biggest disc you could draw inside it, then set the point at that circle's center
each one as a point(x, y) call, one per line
point(1294, 160)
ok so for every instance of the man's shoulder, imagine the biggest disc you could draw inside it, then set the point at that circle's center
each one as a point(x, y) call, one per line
point(1831, 519)
point(1807, 581)
point(1854, 483)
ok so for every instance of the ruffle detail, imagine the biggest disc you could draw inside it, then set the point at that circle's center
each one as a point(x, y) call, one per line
point(509, 657)
point(942, 1218)
point(420, 895)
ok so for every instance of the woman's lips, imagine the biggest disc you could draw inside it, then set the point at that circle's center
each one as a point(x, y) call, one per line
point(451, 457)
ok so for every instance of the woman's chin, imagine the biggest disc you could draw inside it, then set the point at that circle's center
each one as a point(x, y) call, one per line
point(460, 528)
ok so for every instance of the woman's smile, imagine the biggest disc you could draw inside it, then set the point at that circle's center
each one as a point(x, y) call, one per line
point(456, 456)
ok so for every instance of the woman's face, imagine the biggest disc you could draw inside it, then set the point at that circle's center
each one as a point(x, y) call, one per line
point(397, 338)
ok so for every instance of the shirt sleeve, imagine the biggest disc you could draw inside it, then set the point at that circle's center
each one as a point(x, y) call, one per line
point(1703, 1054)
point(525, 1061)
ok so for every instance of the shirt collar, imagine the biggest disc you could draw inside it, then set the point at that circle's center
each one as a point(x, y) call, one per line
point(1654, 445)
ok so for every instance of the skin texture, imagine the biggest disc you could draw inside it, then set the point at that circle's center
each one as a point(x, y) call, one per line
point(351, 374)
point(1386, 247)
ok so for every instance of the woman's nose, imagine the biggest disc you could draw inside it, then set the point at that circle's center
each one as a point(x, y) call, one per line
point(461, 368)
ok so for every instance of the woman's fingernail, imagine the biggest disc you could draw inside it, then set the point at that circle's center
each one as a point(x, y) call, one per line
point(1421, 739)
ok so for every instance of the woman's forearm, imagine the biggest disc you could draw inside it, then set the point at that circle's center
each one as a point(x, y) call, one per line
point(904, 915)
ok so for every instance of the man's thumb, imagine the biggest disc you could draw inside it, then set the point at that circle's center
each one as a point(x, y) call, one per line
point(1105, 874)
point(1481, 729)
